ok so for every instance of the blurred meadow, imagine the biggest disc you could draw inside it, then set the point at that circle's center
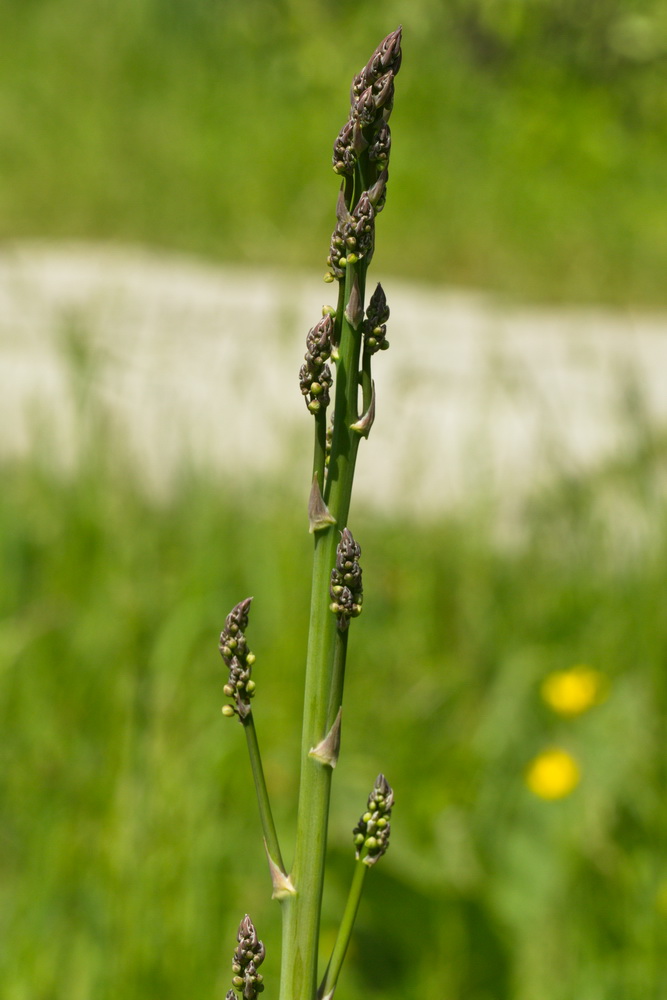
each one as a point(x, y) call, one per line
point(530, 135)
point(512, 686)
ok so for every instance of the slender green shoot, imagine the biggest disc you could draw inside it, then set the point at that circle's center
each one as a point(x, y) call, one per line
point(371, 839)
point(346, 337)
point(241, 689)
point(330, 981)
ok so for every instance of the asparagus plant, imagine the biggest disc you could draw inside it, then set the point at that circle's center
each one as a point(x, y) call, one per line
point(346, 337)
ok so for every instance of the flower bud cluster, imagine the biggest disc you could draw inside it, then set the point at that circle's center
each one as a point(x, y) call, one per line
point(346, 589)
point(386, 59)
point(380, 147)
point(349, 144)
point(366, 130)
point(248, 955)
point(371, 100)
point(375, 324)
point(237, 657)
point(371, 834)
point(354, 235)
point(315, 376)
point(361, 235)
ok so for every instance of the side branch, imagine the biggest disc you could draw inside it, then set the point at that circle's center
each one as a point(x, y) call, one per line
point(264, 804)
point(240, 689)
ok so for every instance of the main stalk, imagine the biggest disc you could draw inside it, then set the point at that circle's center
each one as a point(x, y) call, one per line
point(361, 154)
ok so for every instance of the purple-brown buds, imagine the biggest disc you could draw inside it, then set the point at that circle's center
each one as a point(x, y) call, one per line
point(371, 102)
point(380, 147)
point(354, 235)
point(365, 132)
point(315, 377)
point(237, 657)
point(248, 956)
point(386, 58)
point(365, 108)
point(349, 144)
point(383, 93)
point(361, 235)
point(377, 194)
point(375, 324)
point(347, 593)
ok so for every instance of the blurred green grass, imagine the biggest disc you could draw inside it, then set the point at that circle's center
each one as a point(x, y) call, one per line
point(530, 138)
point(529, 150)
point(130, 843)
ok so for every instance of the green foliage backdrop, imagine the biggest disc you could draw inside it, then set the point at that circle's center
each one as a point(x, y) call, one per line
point(530, 137)
point(130, 842)
point(530, 144)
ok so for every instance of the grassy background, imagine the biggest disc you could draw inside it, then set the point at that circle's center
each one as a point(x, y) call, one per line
point(130, 842)
point(530, 137)
point(529, 157)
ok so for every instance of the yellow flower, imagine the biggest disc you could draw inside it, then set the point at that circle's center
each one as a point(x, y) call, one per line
point(571, 692)
point(553, 774)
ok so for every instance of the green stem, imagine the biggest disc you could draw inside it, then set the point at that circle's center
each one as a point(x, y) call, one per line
point(301, 912)
point(330, 980)
point(340, 309)
point(345, 442)
point(320, 449)
point(265, 814)
point(337, 676)
point(366, 381)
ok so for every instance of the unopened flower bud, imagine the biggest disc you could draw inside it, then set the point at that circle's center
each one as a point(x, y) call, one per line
point(248, 956)
point(239, 660)
point(346, 587)
point(371, 834)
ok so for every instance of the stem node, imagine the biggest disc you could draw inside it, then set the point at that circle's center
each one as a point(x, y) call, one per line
point(319, 515)
point(327, 750)
point(283, 887)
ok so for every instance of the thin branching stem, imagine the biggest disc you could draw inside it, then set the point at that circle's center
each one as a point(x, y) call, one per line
point(265, 813)
point(330, 980)
point(337, 677)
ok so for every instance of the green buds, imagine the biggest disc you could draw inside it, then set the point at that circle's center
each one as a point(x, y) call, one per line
point(371, 834)
point(248, 955)
point(375, 324)
point(238, 658)
point(346, 590)
point(315, 377)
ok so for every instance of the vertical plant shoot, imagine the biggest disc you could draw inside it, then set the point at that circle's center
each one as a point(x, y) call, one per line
point(337, 384)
